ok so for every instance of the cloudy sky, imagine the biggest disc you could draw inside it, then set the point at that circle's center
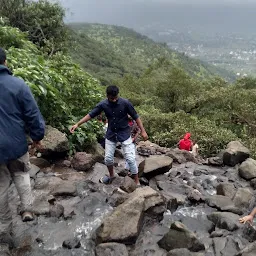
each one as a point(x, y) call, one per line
point(213, 14)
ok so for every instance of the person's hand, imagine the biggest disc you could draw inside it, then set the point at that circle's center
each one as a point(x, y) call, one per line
point(144, 136)
point(248, 218)
point(72, 129)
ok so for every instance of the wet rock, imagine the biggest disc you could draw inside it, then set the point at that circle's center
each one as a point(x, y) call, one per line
point(40, 162)
point(184, 252)
point(180, 237)
point(181, 156)
point(215, 161)
point(111, 249)
point(243, 198)
point(144, 181)
point(172, 204)
point(65, 189)
point(249, 232)
point(71, 243)
point(235, 153)
point(83, 161)
point(253, 183)
point(99, 170)
point(249, 250)
point(226, 189)
point(247, 169)
point(97, 151)
point(195, 196)
point(56, 211)
point(117, 198)
point(218, 201)
point(180, 199)
point(54, 142)
point(41, 183)
point(128, 185)
point(225, 220)
point(155, 165)
point(63, 163)
point(219, 233)
point(147, 148)
point(33, 171)
point(225, 246)
point(124, 224)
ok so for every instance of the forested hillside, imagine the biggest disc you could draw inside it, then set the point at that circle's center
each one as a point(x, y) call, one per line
point(110, 52)
point(172, 93)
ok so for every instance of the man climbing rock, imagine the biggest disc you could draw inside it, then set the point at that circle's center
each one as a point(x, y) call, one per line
point(18, 111)
point(117, 110)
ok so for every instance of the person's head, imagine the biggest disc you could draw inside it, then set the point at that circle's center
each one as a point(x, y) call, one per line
point(2, 57)
point(112, 93)
point(187, 136)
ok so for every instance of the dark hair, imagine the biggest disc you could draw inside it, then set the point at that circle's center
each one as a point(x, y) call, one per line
point(112, 90)
point(2, 56)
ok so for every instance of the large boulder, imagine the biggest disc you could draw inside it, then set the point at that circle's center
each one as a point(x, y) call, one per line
point(247, 169)
point(83, 161)
point(54, 142)
point(249, 250)
point(155, 165)
point(243, 198)
point(226, 189)
point(235, 153)
point(124, 224)
point(222, 203)
point(181, 156)
point(180, 237)
point(225, 220)
point(184, 252)
point(111, 249)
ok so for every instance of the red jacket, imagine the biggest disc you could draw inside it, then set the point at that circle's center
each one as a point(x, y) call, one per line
point(185, 143)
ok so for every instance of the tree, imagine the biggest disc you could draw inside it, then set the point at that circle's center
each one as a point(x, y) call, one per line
point(42, 20)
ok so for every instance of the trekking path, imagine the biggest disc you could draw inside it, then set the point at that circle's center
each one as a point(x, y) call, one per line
point(184, 207)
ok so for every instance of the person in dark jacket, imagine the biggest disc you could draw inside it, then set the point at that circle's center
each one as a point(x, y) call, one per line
point(117, 110)
point(18, 111)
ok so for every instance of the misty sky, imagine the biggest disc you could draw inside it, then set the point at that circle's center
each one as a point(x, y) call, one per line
point(199, 14)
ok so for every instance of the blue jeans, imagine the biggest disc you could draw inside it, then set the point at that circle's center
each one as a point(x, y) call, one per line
point(129, 153)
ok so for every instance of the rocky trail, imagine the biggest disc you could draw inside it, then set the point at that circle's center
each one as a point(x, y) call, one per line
point(185, 207)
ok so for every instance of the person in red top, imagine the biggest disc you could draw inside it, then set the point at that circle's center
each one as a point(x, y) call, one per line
point(186, 143)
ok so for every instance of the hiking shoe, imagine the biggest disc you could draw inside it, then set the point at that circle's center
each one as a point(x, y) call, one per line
point(27, 216)
point(106, 179)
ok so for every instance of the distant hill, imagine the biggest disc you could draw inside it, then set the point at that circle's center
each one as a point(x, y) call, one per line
point(109, 52)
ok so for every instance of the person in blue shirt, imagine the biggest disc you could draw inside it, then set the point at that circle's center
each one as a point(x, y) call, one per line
point(19, 113)
point(117, 110)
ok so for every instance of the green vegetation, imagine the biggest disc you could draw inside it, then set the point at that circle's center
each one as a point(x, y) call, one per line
point(110, 52)
point(172, 93)
point(64, 92)
point(42, 20)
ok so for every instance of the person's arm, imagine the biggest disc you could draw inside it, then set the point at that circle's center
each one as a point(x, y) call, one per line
point(32, 116)
point(143, 132)
point(248, 218)
point(95, 112)
point(132, 112)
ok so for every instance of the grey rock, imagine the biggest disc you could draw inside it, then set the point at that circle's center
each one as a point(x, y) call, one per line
point(54, 142)
point(111, 249)
point(235, 153)
point(180, 237)
point(65, 189)
point(243, 198)
point(226, 189)
point(128, 185)
point(56, 210)
point(247, 169)
point(225, 220)
point(83, 161)
point(155, 165)
point(184, 252)
point(71, 243)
